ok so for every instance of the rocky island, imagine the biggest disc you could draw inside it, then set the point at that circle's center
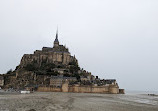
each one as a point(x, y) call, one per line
point(54, 69)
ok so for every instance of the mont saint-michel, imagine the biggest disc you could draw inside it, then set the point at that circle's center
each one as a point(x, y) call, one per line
point(54, 69)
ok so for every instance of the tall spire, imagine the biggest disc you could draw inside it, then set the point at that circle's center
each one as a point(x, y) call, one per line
point(56, 42)
point(57, 33)
point(56, 39)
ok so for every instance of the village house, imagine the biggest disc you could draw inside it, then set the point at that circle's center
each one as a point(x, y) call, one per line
point(60, 70)
point(57, 81)
point(1, 81)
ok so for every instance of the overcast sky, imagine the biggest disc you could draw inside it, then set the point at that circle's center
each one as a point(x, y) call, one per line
point(110, 38)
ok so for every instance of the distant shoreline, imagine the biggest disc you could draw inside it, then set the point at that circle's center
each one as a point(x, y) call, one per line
point(141, 92)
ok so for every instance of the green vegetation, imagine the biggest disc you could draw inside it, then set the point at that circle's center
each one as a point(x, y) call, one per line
point(47, 69)
point(74, 67)
point(30, 67)
point(77, 76)
point(10, 71)
point(47, 66)
point(44, 69)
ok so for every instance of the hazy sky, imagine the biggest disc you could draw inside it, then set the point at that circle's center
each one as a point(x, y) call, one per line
point(110, 38)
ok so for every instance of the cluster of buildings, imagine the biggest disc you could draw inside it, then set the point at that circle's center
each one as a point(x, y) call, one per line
point(54, 69)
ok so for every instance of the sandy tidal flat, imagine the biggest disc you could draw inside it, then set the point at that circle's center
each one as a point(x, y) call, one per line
point(57, 101)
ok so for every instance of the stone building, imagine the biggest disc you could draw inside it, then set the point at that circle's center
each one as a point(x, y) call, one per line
point(57, 81)
point(61, 70)
point(111, 81)
point(1, 81)
point(83, 78)
point(57, 54)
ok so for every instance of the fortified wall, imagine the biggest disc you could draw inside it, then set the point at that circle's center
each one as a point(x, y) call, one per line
point(111, 89)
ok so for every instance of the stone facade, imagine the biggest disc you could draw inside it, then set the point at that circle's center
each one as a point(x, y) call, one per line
point(121, 91)
point(112, 89)
point(57, 54)
point(57, 81)
point(1, 81)
point(65, 87)
point(49, 56)
point(49, 89)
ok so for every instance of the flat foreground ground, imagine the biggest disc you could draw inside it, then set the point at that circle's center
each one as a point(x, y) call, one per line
point(57, 101)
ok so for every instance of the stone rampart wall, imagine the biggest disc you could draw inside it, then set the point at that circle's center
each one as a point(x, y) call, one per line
point(89, 89)
point(81, 89)
point(48, 89)
point(121, 91)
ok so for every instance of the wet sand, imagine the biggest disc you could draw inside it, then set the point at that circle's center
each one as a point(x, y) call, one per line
point(57, 101)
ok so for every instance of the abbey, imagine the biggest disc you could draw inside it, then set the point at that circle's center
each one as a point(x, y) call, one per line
point(58, 54)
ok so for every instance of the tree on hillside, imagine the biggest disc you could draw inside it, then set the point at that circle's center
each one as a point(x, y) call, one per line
point(10, 71)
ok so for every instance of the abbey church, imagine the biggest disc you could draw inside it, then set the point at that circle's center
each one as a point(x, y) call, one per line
point(58, 54)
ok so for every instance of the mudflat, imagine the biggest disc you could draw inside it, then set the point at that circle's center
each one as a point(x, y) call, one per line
point(58, 101)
